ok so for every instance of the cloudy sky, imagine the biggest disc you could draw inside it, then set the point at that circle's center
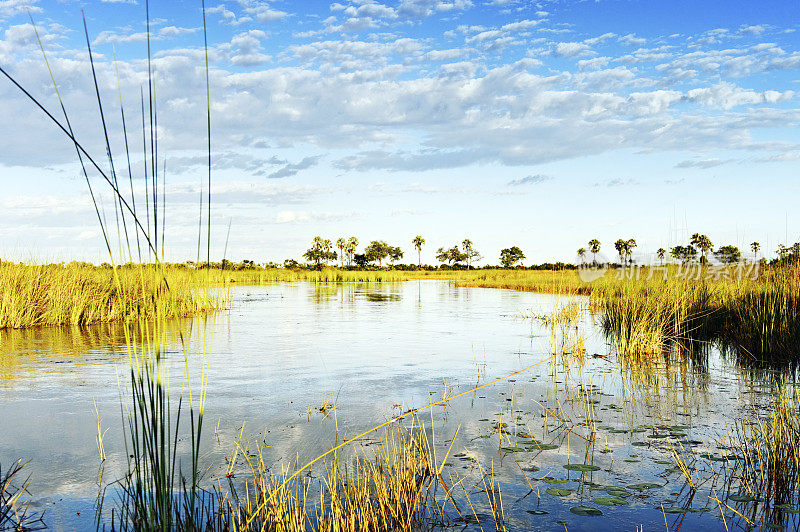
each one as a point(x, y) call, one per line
point(510, 122)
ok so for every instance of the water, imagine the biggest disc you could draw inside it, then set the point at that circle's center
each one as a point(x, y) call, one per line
point(374, 351)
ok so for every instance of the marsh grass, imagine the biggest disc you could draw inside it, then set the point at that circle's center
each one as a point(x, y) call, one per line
point(398, 486)
point(49, 295)
point(767, 454)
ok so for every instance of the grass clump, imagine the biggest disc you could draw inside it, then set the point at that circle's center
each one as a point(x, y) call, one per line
point(392, 490)
point(767, 452)
point(54, 294)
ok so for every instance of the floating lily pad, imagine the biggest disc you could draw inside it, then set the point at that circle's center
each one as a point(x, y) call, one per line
point(631, 460)
point(742, 498)
point(536, 512)
point(618, 492)
point(639, 444)
point(610, 501)
point(674, 510)
point(512, 449)
point(644, 486)
point(551, 480)
point(787, 508)
point(545, 446)
point(530, 468)
point(586, 511)
point(475, 518)
point(581, 467)
point(559, 492)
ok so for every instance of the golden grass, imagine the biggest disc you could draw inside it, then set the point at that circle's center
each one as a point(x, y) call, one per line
point(395, 488)
point(54, 294)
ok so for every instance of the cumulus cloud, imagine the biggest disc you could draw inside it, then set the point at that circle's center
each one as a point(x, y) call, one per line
point(167, 32)
point(572, 49)
point(727, 95)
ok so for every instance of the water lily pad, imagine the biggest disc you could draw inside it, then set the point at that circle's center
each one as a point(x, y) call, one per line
point(536, 512)
point(551, 480)
point(787, 508)
point(530, 468)
point(512, 449)
point(674, 510)
point(742, 498)
point(581, 467)
point(610, 501)
point(618, 492)
point(475, 518)
point(559, 492)
point(586, 511)
point(644, 486)
point(639, 444)
point(545, 446)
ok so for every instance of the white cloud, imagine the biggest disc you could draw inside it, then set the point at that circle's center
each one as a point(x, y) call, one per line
point(10, 8)
point(726, 95)
point(572, 49)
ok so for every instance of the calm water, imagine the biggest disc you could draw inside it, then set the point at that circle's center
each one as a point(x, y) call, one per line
point(375, 351)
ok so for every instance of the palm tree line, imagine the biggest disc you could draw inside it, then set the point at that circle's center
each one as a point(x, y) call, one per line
point(322, 252)
point(698, 244)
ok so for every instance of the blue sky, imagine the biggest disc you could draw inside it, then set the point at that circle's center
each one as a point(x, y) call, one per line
point(509, 122)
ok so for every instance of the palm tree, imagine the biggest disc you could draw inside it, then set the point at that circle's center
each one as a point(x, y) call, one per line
point(661, 252)
point(619, 245)
point(629, 245)
point(755, 246)
point(341, 244)
point(581, 253)
point(594, 247)
point(352, 245)
point(418, 242)
point(703, 243)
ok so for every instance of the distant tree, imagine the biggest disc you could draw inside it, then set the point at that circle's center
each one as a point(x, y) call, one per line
point(754, 247)
point(620, 246)
point(395, 254)
point(452, 255)
point(320, 251)
point(683, 253)
point(703, 243)
point(376, 251)
point(630, 244)
point(352, 245)
point(582, 253)
point(594, 247)
point(728, 254)
point(510, 256)
point(661, 252)
point(291, 263)
point(342, 245)
point(360, 259)
point(418, 242)
point(469, 252)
